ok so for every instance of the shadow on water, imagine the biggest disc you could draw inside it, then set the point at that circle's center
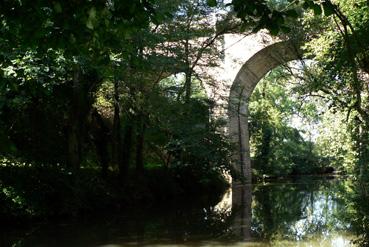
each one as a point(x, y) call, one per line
point(304, 212)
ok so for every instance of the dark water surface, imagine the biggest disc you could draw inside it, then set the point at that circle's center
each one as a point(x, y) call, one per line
point(305, 212)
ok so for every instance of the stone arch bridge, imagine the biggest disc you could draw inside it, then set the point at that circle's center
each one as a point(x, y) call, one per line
point(242, 87)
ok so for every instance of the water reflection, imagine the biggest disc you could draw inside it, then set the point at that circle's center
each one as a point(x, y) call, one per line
point(311, 212)
point(289, 213)
point(241, 209)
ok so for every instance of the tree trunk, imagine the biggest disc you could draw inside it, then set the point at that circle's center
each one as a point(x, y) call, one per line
point(126, 149)
point(188, 84)
point(140, 140)
point(79, 112)
point(74, 135)
point(100, 133)
point(74, 153)
point(117, 137)
point(188, 73)
point(103, 154)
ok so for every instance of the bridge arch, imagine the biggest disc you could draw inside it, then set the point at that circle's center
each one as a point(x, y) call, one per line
point(243, 85)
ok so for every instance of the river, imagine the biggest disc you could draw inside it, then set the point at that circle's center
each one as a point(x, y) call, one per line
point(302, 212)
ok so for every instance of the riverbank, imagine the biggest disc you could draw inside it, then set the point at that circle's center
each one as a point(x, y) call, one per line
point(29, 193)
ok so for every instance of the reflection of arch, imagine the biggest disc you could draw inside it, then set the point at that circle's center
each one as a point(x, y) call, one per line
point(241, 211)
point(247, 78)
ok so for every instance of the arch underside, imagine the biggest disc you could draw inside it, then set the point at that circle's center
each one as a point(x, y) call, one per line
point(246, 80)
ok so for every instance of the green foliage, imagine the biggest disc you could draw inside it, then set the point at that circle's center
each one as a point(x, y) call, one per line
point(184, 135)
point(75, 26)
point(33, 98)
point(336, 143)
point(276, 15)
point(339, 74)
point(277, 147)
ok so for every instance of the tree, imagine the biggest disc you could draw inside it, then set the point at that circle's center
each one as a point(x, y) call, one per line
point(340, 72)
point(81, 33)
point(193, 38)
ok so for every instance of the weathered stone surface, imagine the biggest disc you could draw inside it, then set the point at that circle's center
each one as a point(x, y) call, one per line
point(243, 85)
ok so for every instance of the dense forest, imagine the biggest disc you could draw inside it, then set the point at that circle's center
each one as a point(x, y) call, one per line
point(104, 104)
